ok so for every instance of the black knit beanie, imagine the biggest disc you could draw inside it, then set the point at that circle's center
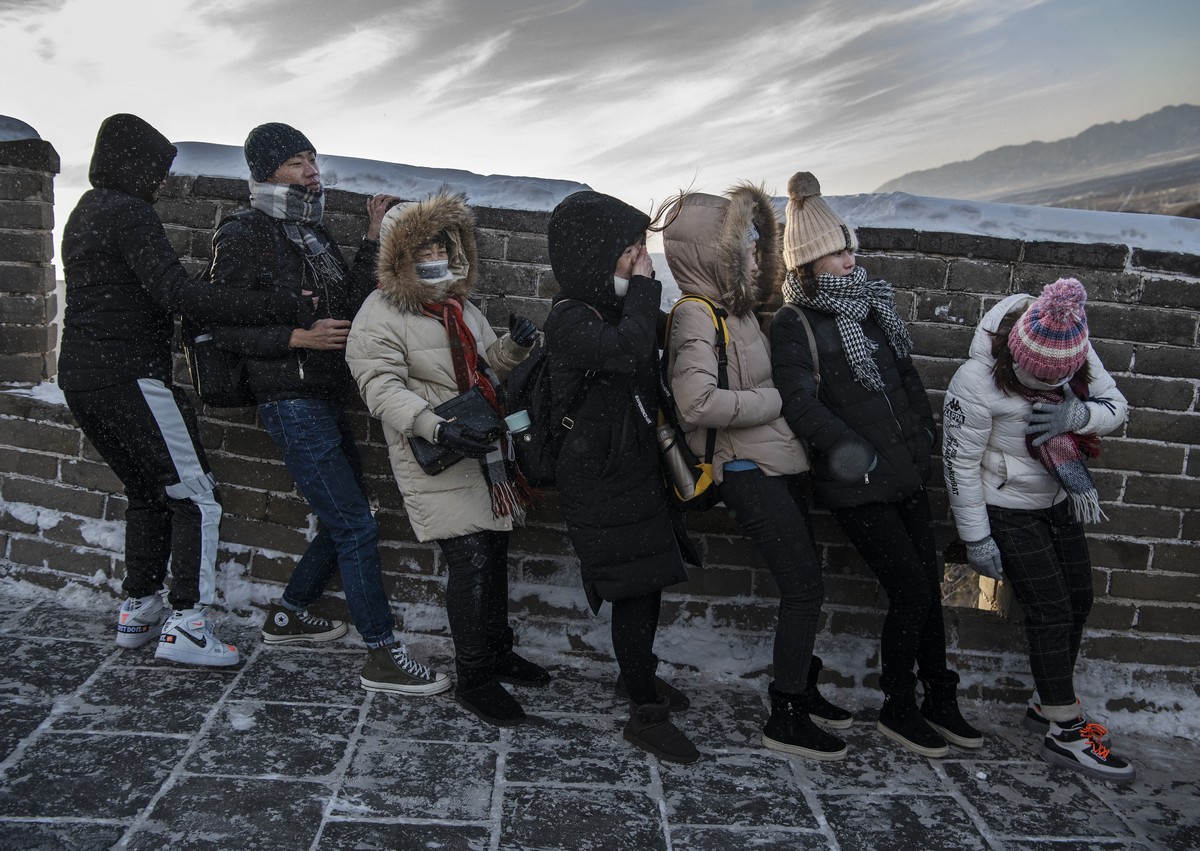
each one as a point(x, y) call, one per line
point(270, 145)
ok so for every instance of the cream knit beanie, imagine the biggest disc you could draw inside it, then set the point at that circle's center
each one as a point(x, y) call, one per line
point(813, 229)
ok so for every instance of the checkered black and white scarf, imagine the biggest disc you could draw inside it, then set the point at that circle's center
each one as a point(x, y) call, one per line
point(299, 209)
point(851, 298)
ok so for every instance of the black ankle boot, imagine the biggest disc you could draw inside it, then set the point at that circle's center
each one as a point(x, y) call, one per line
point(821, 710)
point(490, 702)
point(940, 709)
point(790, 729)
point(650, 728)
point(902, 722)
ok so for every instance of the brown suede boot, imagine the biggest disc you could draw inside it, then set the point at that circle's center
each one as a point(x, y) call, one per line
point(650, 728)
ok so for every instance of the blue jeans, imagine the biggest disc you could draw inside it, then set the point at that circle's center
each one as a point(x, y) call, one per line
point(320, 453)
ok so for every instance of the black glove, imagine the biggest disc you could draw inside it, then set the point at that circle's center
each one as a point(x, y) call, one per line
point(462, 439)
point(522, 330)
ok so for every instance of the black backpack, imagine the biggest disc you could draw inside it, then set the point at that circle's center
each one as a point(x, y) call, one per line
point(219, 376)
point(528, 389)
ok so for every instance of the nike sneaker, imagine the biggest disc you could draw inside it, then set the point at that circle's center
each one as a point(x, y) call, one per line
point(140, 620)
point(187, 638)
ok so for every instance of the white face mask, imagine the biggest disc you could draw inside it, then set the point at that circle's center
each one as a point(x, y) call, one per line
point(433, 270)
point(620, 286)
point(1035, 383)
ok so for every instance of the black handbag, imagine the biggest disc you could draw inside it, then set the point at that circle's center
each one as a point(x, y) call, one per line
point(472, 410)
point(219, 376)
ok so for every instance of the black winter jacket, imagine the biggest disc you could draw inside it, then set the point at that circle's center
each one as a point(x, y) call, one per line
point(124, 281)
point(608, 475)
point(251, 252)
point(844, 422)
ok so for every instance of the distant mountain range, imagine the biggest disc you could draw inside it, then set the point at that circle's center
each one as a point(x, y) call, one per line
point(1150, 164)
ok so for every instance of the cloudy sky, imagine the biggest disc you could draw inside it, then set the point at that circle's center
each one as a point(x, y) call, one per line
point(634, 98)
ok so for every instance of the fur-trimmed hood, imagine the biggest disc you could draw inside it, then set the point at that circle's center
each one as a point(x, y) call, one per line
point(705, 244)
point(407, 227)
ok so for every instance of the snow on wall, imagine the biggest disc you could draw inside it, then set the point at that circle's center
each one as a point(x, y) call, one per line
point(888, 210)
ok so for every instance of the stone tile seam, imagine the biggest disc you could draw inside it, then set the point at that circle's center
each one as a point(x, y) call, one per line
point(57, 708)
point(139, 821)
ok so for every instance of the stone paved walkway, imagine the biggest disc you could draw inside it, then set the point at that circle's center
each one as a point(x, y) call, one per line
point(104, 748)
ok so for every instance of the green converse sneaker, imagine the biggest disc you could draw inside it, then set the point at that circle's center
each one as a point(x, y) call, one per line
point(283, 626)
point(389, 669)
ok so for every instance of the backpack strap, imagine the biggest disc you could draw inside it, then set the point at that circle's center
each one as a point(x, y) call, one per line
point(720, 344)
point(577, 399)
point(812, 342)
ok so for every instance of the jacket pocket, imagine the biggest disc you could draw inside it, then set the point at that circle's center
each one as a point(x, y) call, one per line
point(993, 469)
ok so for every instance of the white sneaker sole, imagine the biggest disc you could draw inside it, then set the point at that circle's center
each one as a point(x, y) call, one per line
point(185, 656)
point(312, 637)
point(783, 747)
point(911, 746)
point(1125, 775)
point(440, 684)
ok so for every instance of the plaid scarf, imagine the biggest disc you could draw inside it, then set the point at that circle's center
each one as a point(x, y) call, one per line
point(299, 209)
point(509, 491)
point(1065, 457)
point(851, 298)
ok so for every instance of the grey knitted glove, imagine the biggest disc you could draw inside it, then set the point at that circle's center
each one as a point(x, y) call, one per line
point(1049, 418)
point(984, 556)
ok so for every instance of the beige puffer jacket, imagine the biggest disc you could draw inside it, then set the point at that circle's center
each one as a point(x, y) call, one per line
point(705, 242)
point(401, 361)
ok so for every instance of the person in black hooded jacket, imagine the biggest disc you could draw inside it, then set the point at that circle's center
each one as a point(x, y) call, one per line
point(124, 283)
point(602, 339)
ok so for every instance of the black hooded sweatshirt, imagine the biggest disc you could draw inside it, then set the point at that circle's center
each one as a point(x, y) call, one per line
point(124, 280)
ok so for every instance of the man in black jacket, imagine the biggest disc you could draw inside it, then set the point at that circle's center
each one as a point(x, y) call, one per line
point(124, 283)
point(298, 374)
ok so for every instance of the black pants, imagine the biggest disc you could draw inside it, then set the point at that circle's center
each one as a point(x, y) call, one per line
point(634, 623)
point(772, 512)
point(477, 604)
point(147, 433)
point(896, 540)
point(1046, 560)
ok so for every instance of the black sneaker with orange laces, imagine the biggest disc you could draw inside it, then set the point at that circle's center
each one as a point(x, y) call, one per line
point(1078, 746)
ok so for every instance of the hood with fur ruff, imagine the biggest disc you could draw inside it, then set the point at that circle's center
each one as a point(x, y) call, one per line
point(407, 227)
point(705, 243)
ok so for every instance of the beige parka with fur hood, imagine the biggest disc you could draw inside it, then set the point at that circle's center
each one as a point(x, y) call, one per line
point(706, 246)
point(400, 358)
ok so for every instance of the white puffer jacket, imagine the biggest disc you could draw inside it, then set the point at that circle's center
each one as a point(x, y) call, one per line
point(986, 461)
point(400, 358)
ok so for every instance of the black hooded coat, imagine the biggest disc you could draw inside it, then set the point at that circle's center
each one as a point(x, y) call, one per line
point(124, 281)
point(608, 475)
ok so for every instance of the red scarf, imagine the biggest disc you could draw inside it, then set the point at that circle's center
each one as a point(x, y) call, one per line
point(510, 491)
point(464, 351)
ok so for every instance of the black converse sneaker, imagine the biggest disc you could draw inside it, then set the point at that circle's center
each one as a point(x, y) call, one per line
point(283, 626)
point(1077, 746)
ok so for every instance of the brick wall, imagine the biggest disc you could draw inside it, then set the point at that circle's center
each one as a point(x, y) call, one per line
point(59, 503)
point(27, 302)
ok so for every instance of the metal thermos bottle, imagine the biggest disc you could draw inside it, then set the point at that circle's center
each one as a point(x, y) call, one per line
point(682, 476)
